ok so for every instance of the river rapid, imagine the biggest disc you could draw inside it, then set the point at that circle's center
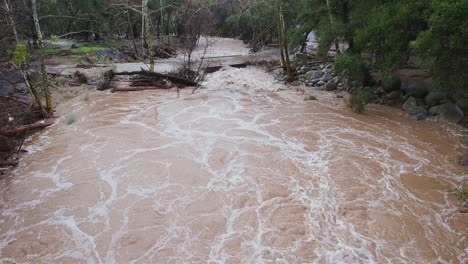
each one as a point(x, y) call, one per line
point(242, 171)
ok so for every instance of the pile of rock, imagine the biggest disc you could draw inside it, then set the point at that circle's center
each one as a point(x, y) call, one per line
point(320, 77)
point(421, 103)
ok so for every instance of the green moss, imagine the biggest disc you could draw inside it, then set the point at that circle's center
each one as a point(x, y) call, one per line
point(87, 48)
point(52, 49)
point(75, 57)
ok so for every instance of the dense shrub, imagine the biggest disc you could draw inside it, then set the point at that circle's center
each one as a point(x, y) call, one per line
point(352, 68)
point(391, 82)
point(360, 99)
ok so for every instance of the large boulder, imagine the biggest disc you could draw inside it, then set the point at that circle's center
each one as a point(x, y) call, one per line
point(395, 95)
point(331, 86)
point(415, 90)
point(314, 75)
point(410, 103)
point(435, 98)
point(391, 83)
point(463, 104)
point(6, 88)
point(417, 110)
point(326, 77)
point(12, 77)
point(434, 110)
point(450, 112)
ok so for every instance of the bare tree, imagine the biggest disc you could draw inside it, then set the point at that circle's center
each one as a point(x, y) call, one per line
point(40, 42)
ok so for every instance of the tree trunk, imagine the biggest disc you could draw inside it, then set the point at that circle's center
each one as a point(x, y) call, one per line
point(284, 41)
point(34, 95)
point(11, 21)
point(130, 28)
point(45, 80)
point(146, 21)
point(332, 22)
point(25, 128)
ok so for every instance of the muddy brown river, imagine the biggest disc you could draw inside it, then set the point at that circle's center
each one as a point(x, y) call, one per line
point(243, 171)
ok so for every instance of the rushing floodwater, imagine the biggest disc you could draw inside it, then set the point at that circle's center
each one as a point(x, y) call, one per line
point(240, 172)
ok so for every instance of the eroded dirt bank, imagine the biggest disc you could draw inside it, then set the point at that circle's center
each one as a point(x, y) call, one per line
point(240, 172)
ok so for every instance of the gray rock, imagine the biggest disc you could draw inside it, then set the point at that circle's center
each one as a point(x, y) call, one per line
point(393, 95)
point(53, 71)
point(435, 98)
point(21, 87)
point(314, 75)
point(331, 86)
point(310, 98)
point(419, 117)
point(464, 160)
point(26, 99)
point(321, 83)
point(326, 77)
point(434, 110)
point(463, 104)
point(450, 112)
point(415, 110)
point(410, 103)
point(415, 90)
point(12, 77)
point(317, 88)
point(6, 88)
point(336, 79)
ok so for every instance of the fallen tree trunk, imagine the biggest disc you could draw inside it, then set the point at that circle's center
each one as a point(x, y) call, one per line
point(464, 210)
point(4, 163)
point(22, 129)
point(160, 75)
point(136, 88)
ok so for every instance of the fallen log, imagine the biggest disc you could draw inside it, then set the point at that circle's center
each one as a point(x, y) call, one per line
point(22, 129)
point(136, 88)
point(4, 163)
point(464, 210)
point(173, 78)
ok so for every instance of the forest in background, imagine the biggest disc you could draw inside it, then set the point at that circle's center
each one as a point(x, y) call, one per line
point(379, 35)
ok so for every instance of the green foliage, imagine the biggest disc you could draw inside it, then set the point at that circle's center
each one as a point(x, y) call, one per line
point(360, 99)
point(352, 68)
point(388, 31)
point(462, 196)
point(391, 82)
point(19, 55)
point(445, 44)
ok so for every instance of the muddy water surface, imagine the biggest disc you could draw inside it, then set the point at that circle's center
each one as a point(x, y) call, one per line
point(240, 172)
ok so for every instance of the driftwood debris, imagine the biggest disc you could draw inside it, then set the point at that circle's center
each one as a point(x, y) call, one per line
point(145, 80)
point(105, 84)
point(4, 163)
point(136, 88)
point(172, 78)
point(22, 129)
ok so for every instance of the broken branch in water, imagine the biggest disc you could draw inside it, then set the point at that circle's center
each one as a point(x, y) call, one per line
point(160, 75)
point(22, 129)
point(8, 163)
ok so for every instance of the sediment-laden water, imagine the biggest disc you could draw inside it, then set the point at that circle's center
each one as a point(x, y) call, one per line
point(243, 171)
